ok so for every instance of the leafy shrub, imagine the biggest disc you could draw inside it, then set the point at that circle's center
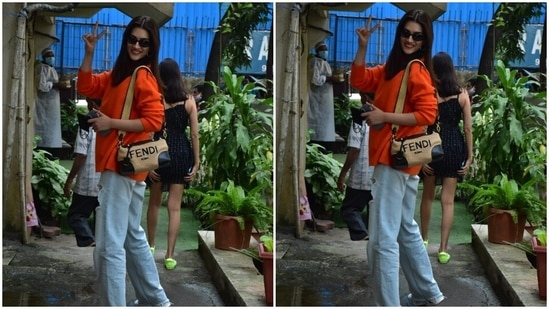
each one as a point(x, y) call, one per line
point(509, 130)
point(342, 115)
point(268, 242)
point(507, 194)
point(321, 173)
point(69, 120)
point(509, 134)
point(233, 200)
point(236, 135)
point(48, 179)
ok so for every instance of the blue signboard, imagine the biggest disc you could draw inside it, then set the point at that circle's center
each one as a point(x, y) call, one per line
point(258, 51)
point(531, 47)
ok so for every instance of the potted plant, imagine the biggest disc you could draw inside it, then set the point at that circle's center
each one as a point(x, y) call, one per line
point(266, 247)
point(506, 206)
point(233, 212)
point(539, 246)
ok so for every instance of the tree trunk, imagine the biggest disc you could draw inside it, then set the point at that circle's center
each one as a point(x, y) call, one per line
point(287, 100)
point(214, 62)
point(486, 64)
point(16, 124)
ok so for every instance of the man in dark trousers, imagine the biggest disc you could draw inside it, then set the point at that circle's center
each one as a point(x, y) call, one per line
point(357, 193)
point(84, 192)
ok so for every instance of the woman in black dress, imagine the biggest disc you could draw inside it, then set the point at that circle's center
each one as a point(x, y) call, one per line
point(453, 107)
point(180, 112)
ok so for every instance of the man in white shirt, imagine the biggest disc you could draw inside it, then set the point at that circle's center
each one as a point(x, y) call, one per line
point(358, 192)
point(47, 113)
point(320, 110)
point(85, 190)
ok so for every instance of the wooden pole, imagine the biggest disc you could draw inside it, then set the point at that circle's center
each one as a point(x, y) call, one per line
point(289, 120)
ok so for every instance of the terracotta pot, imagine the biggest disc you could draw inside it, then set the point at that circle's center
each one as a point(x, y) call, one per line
point(267, 258)
point(541, 261)
point(501, 227)
point(227, 233)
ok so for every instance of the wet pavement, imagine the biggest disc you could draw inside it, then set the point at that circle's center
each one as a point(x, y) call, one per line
point(328, 269)
point(55, 272)
point(319, 269)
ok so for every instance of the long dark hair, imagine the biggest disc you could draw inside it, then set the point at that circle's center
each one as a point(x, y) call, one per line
point(447, 82)
point(124, 66)
point(398, 60)
point(170, 75)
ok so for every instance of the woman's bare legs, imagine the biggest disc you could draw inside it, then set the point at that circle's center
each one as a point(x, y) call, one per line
point(155, 200)
point(174, 215)
point(427, 199)
point(447, 202)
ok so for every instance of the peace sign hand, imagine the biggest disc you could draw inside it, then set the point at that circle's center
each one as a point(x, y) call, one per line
point(365, 32)
point(91, 38)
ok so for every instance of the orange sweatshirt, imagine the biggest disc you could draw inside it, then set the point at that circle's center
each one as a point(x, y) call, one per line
point(420, 100)
point(147, 106)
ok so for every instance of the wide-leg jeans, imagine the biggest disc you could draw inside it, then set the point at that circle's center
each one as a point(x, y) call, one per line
point(394, 234)
point(121, 244)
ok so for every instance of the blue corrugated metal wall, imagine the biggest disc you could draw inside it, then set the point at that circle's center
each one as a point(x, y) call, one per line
point(460, 32)
point(187, 37)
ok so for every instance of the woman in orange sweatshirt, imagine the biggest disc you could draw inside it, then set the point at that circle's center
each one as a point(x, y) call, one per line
point(121, 244)
point(394, 234)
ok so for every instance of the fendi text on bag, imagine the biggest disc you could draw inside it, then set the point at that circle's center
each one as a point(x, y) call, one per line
point(417, 149)
point(142, 156)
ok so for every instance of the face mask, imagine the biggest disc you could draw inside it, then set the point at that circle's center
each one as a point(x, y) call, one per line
point(50, 60)
point(197, 98)
point(323, 54)
point(471, 91)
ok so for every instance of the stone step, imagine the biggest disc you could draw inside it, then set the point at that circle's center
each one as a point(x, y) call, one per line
point(320, 225)
point(50, 231)
point(323, 225)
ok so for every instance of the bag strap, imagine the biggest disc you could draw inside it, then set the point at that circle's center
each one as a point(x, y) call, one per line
point(129, 100)
point(402, 92)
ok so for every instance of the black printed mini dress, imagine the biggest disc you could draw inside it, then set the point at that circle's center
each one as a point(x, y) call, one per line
point(179, 147)
point(453, 142)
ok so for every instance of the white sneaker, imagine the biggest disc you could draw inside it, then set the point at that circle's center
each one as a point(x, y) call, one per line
point(135, 303)
point(407, 301)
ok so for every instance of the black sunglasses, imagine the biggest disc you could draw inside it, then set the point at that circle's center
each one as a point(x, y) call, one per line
point(416, 36)
point(142, 42)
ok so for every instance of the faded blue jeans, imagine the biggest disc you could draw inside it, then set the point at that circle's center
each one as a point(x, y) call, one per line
point(121, 244)
point(393, 234)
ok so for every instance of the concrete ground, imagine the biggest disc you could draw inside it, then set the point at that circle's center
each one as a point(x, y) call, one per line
point(55, 272)
point(328, 269)
point(320, 269)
